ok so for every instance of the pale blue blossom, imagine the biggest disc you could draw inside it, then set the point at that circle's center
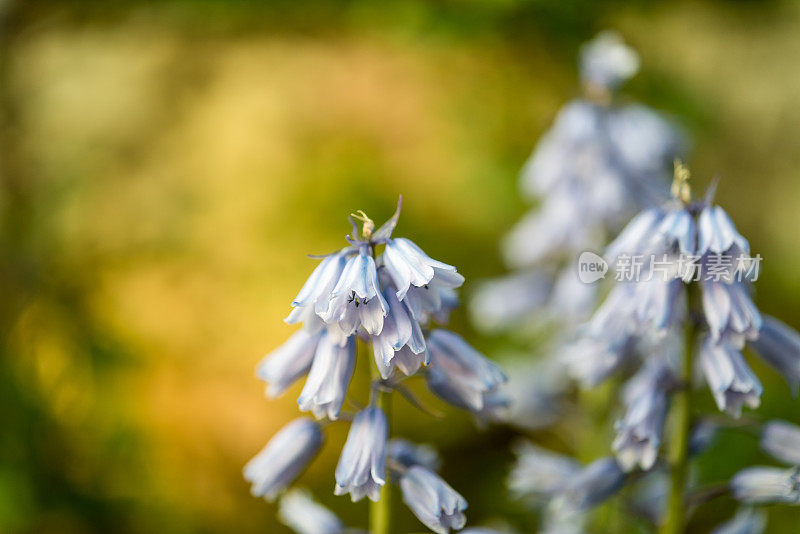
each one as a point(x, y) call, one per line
point(781, 440)
point(676, 231)
point(729, 311)
point(779, 346)
point(286, 364)
point(458, 373)
point(326, 386)
point(639, 432)
point(356, 300)
point(637, 236)
point(312, 300)
point(767, 485)
point(361, 470)
point(538, 473)
point(408, 266)
point(432, 500)
point(731, 380)
point(282, 460)
point(718, 235)
point(746, 521)
point(400, 343)
point(298, 510)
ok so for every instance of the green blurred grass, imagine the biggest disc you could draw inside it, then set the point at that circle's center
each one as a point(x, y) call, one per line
point(167, 166)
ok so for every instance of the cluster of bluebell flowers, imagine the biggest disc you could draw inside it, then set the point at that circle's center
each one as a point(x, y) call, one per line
point(649, 330)
point(386, 293)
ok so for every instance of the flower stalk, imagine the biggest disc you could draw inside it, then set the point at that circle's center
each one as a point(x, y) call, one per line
point(682, 424)
point(380, 511)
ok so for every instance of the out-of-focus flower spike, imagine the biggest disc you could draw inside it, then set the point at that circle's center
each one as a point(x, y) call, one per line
point(432, 500)
point(361, 470)
point(326, 386)
point(299, 511)
point(731, 380)
point(746, 521)
point(781, 440)
point(285, 365)
point(779, 346)
point(282, 460)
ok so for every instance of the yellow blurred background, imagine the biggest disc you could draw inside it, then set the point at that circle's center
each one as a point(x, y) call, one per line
point(166, 167)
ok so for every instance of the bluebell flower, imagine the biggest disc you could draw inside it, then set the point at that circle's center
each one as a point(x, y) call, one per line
point(746, 521)
point(406, 454)
point(282, 460)
point(607, 341)
point(538, 473)
point(458, 373)
point(326, 386)
point(356, 299)
point(730, 313)
point(718, 235)
point(362, 466)
point(432, 500)
point(660, 304)
point(538, 391)
point(400, 343)
point(607, 61)
point(299, 511)
point(779, 346)
point(637, 236)
point(676, 231)
point(781, 440)
point(592, 485)
point(731, 380)
point(408, 266)
point(767, 485)
point(286, 364)
point(639, 432)
point(312, 299)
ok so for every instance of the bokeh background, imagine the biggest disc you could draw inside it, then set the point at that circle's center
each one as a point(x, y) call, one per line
point(166, 166)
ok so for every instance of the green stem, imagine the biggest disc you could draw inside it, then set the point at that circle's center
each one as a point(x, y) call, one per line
point(682, 423)
point(380, 513)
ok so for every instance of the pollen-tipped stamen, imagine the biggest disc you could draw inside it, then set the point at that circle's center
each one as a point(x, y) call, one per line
point(680, 183)
point(369, 225)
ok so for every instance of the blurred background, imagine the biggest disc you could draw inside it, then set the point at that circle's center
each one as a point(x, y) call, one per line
point(166, 167)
